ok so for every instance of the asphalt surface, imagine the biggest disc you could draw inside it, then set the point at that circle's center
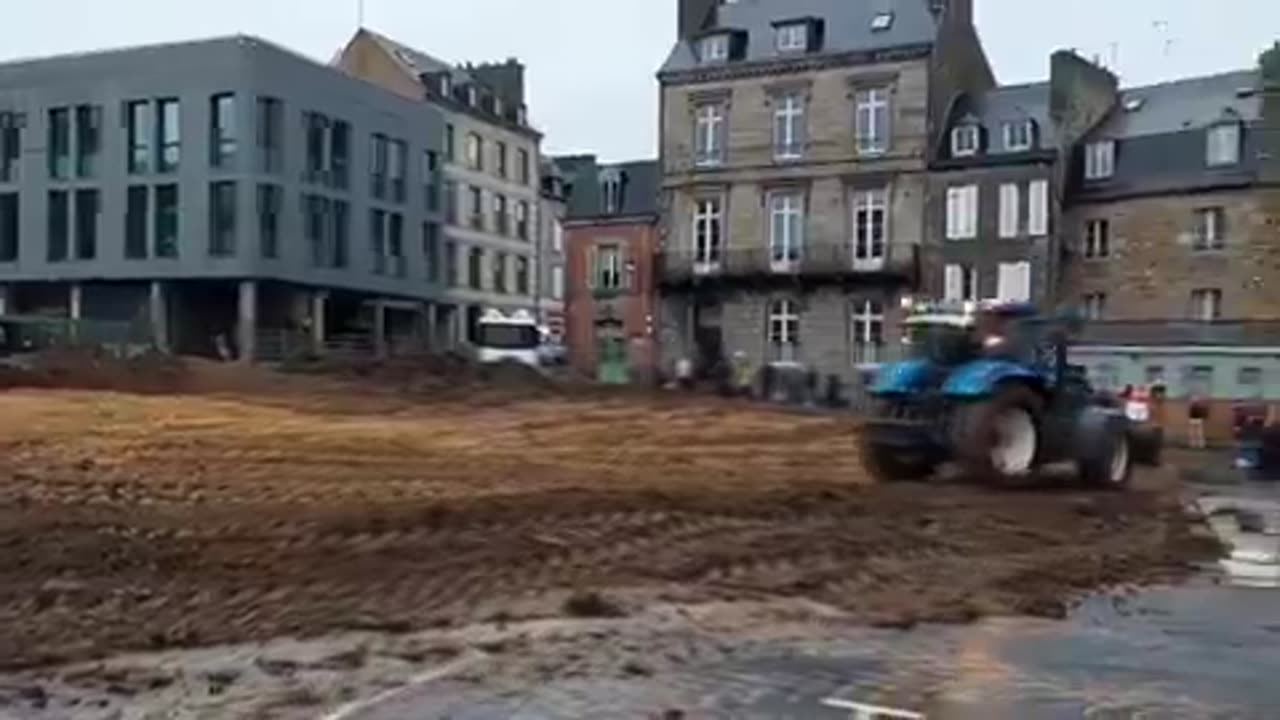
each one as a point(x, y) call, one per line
point(1209, 649)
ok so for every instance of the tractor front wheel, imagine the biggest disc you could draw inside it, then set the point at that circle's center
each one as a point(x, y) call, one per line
point(999, 437)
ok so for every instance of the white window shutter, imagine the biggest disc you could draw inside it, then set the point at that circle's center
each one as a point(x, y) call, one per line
point(953, 282)
point(1014, 282)
point(1038, 208)
point(1005, 281)
point(971, 212)
point(953, 212)
point(1009, 210)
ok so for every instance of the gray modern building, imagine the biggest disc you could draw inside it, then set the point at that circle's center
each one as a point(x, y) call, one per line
point(221, 189)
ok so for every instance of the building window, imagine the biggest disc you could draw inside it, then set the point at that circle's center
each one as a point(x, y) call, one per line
point(557, 282)
point(477, 208)
point(708, 145)
point(868, 332)
point(788, 127)
point(500, 158)
point(451, 264)
point(450, 143)
point(611, 192)
point(397, 169)
point(88, 212)
point(1097, 238)
point(386, 242)
point(1209, 228)
point(1038, 208)
point(378, 241)
point(10, 146)
point(339, 233)
point(378, 166)
point(792, 37)
point(498, 273)
point(166, 221)
point(395, 244)
point(317, 134)
point(882, 21)
point(1198, 381)
point(269, 201)
point(713, 48)
point(1250, 381)
point(1206, 304)
point(786, 229)
point(522, 166)
point(430, 181)
point(59, 143)
point(339, 155)
point(871, 122)
point(135, 223)
point(1106, 376)
point(964, 140)
point(58, 226)
point(88, 140)
point(1154, 375)
point(222, 131)
point(475, 269)
point(138, 129)
point(1100, 160)
point(501, 221)
point(431, 251)
point(270, 123)
point(1010, 211)
point(9, 227)
point(1018, 135)
point(870, 228)
point(960, 282)
point(522, 220)
point(557, 236)
point(962, 212)
point(450, 202)
point(608, 267)
point(522, 275)
point(222, 219)
point(707, 233)
point(475, 152)
point(784, 329)
point(1222, 146)
point(1013, 281)
point(316, 227)
point(1095, 305)
point(169, 133)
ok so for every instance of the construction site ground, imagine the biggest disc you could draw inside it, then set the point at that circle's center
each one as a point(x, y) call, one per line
point(188, 505)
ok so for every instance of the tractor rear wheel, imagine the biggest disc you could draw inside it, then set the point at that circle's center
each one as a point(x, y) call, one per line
point(998, 438)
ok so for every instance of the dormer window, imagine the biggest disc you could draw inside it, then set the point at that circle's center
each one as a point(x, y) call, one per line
point(1222, 145)
point(792, 37)
point(446, 85)
point(713, 48)
point(1100, 160)
point(882, 21)
point(611, 192)
point(472, 96)
point(964, 140)
point(1018, 135)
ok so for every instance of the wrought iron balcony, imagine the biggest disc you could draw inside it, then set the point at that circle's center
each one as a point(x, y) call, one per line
point(815, 262)
point(1234, 333)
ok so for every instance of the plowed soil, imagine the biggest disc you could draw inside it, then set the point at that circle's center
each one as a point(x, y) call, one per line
point(254, 505)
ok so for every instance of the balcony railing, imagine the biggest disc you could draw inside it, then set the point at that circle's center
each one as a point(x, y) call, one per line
point(815, 261)
point(1245, 333)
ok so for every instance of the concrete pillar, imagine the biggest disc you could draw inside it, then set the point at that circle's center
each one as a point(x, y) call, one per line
point(429, 326)
point(379, 330)
point(319, 308)
point(158, 310)
point(247, 321)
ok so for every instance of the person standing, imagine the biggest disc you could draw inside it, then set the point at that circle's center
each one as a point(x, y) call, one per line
point(1197, 413)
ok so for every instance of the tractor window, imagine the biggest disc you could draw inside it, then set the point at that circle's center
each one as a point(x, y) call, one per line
point(944, 344)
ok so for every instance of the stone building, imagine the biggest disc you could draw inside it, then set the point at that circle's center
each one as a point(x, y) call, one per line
point(1174, 222)
point(490, 161)
point(794, 146)
point(611, 243)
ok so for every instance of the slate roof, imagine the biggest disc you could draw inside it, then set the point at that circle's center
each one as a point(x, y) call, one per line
point(1186, 104)
point(1016, 103)
point(582, 173)
point(417, 61)
point(847, 27)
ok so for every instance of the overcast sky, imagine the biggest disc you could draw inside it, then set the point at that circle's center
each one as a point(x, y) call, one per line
point(592, 62)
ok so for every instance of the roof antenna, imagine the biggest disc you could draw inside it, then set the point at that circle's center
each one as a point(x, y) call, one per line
point(359, 14)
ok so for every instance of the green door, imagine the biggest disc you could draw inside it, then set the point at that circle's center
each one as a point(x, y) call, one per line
point(611, 364)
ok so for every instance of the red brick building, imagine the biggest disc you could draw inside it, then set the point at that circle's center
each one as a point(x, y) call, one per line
point(611, 237)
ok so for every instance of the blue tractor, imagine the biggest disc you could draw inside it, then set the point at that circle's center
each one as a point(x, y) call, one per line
point(988, 386)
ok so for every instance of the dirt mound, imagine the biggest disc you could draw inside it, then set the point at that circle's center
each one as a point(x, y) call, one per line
point(437, 375)
point(89, 368)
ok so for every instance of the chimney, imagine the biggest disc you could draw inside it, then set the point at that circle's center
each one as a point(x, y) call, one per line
point(1081, 94)
point(1269, 140)
point(694, 16)
point(952, 10)
point(506, 79)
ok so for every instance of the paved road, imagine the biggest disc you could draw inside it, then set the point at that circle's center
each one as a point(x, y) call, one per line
point(1200, 651)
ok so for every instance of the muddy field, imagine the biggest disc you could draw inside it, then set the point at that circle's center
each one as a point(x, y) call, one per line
point(225, 506)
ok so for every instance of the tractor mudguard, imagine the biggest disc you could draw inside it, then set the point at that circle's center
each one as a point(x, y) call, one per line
point(902, 378)
point(980, 377)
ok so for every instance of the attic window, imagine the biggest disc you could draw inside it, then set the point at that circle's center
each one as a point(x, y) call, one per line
point(713, 48)
point(446, 85)
point(611, 193)
point(472, 96)
point(964, 140)
point(882, 21)
point(792, 37)
point(1222, 146)
point(1133, 104)
point(1018, 135)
